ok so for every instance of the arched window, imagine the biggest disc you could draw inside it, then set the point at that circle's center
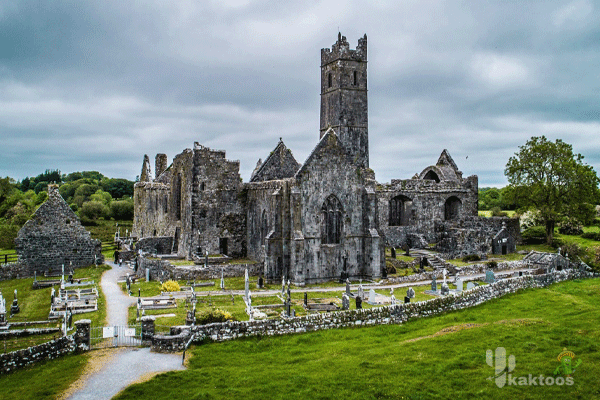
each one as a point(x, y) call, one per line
point(452, 208)
point(329, 80)
point(264, 230)
point(432, 176)
point(331, 222)
point(400, 209)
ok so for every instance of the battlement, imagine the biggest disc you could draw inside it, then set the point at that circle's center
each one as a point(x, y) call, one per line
point(341, 51)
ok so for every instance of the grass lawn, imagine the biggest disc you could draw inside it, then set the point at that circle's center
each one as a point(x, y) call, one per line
point(441, 357)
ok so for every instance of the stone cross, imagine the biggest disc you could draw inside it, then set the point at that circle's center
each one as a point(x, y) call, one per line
point(246, 283)
point(394, 301)
point(223, 280)
point(410, 293)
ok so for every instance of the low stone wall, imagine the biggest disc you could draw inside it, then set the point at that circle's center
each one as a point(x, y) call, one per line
point(172, 343)
point(395, 314)
point(155, 245)
point(79, 341)
point(27, 332)
point(14, 271)
point(163, 270)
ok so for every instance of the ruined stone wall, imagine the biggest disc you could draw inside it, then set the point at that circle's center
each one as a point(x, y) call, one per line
point(472, 236)
point(155, 245)
point(280, 164)
point(151, 209)
point(218, 202)
point(54, 236)
point(163, 270)
point(428, 205)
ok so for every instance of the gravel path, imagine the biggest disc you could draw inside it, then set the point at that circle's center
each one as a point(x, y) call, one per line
point(109, 375)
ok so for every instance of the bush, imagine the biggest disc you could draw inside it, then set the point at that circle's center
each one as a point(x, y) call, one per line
point(94, 210)
point(530, 218)
point(122, 209)
point(534, 234)
point(572, 250)
point(471, 257)
point(212, 316)
point(497, 212)
point(491, 264)
point(570, 226)
point(170, 286)
point(591, 235)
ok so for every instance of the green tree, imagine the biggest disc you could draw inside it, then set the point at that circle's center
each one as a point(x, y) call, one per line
point(122, 209)
point(549, 177)
point(93, 210)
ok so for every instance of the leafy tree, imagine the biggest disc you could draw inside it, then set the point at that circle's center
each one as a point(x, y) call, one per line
point(94, 210)
point(118, 188)
point(122, 209)
point(101, 196)
point(549, 177)
point(83, 193)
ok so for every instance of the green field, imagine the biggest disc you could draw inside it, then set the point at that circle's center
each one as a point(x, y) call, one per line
point(441, 357)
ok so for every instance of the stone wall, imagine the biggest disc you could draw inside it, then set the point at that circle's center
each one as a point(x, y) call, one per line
point(14, 271)
point(155, 245)
point(54, 236)
point(380, 315)
point(163, 270)
point(79, 341)
point(473, 235)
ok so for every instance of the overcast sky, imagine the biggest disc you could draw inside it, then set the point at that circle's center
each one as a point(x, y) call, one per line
point(90, 85)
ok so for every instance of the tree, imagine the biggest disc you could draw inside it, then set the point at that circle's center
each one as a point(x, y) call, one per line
point(549, 177)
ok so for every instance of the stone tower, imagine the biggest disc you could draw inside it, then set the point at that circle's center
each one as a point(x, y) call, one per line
point(344, 97)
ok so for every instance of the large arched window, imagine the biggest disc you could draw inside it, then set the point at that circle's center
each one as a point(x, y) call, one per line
point(400, 209)
point(432, 176)
point(331, 222)
point(452, 208)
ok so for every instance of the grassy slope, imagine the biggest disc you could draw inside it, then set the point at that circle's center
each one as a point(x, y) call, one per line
point(382, 362)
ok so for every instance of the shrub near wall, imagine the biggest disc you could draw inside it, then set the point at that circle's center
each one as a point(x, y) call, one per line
point(395, 314)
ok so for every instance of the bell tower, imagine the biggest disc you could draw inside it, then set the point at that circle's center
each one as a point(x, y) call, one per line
point(344, 96)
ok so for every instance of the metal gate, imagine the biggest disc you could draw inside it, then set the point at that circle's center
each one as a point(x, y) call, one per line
point(115, 336)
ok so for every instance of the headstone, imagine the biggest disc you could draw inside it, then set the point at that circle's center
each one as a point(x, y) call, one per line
point(147, 274)
point(444, 272)
point(305, 299)
point(289, 292)
point(433, 285)
point(470, 285)
point(445, 290)
point(261, 282)
point(410, 293)
point(394, 300)
point(372, 296)
point(459, 284)
point(2, 311)
point(283, 286)
point(345, 302)
point(206, 259)
point(222, 280)
point(288, 306)
point(361, 290)
point(52, 295)
point(406, 299)
point(490, 277)
point(358, 302)
point(15, 309)
point(348, 287)
point(393, 250)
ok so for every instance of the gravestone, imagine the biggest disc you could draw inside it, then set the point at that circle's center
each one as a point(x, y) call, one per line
point(246, 283)
point(445, 290)
point(433, 285)
point(361, 290)
point(305, 299)
point(348, 287)
point(406, 299)
point(289, 292)
point(490, 277)
point(222, 280)
point(147, 274)
point(288, 305)
point(394, 300)
point(2, 310)
point(15, 309)
point(358, 302)
point(393, 250)
point(410, 293)
point(261, 282)
point(470, 285)
point(459, 284)
point(345, 302)
point(283, 286)
point(52, 296)
point(372, 296)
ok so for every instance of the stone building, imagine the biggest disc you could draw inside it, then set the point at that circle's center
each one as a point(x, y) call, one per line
point(54, 236)
point(308, 222)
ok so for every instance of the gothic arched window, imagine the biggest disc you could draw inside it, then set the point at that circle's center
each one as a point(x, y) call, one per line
point(331, 222)
point(400, 209)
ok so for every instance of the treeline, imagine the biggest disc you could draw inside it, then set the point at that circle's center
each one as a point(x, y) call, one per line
point(90, 194)
point(494, 198)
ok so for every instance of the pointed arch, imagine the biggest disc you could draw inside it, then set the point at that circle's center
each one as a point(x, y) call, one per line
point(400, 210)
point(332, 222)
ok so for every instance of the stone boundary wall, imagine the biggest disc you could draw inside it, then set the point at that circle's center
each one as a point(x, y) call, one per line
point(395, 314)
point(155, 245)
point(14, 271)
point(77, 342)
point(469, 269)
point(27, 332)
point(163, 269)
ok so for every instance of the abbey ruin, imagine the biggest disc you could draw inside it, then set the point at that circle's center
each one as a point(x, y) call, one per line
point(318, 220)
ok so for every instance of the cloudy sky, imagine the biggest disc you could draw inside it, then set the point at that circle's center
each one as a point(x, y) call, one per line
point(95, 85)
